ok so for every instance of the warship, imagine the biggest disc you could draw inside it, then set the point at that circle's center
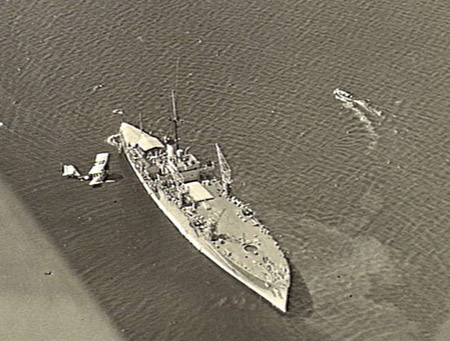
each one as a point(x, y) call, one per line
point(197, 198)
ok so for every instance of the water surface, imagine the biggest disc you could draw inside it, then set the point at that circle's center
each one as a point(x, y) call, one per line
point(360, 206)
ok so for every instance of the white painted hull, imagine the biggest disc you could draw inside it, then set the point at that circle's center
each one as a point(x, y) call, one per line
point(274, 296)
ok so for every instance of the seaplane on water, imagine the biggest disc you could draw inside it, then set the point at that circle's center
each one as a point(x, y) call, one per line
point(98, 172)
point(70, 171)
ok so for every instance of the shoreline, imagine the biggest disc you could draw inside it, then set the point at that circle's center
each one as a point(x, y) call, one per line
point(41, 299)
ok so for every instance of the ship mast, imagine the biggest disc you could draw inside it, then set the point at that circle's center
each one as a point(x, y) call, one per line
point(225, 171)
point(175, 117)
point(175, 120)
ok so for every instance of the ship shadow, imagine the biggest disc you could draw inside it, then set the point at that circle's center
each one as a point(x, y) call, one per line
point(300, 302)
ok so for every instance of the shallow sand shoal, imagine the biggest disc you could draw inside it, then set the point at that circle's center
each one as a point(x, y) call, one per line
point(35, 305)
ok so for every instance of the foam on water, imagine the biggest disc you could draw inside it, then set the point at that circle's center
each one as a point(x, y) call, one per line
point(369, 116)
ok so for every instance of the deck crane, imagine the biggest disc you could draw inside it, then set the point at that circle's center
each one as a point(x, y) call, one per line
point(225, 171)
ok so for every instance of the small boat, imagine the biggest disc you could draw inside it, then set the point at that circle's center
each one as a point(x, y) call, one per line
point(343, 95)
point(359, 104)
point(70, 171)
point(98, 172)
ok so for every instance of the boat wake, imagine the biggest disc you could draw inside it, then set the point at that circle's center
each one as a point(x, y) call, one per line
point(114, 140)
point(362, 109)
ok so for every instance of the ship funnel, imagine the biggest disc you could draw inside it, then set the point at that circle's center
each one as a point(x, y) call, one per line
point(170, 151)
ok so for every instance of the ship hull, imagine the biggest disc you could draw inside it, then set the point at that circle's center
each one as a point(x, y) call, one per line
point(275, 296)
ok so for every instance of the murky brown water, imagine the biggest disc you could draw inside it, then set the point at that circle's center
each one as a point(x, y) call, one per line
point(360, 206)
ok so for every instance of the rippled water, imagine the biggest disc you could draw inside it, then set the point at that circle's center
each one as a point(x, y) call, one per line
point(361, 206)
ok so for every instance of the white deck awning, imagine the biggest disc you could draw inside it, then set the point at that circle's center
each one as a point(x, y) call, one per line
point(198, 192)
point(133, 136)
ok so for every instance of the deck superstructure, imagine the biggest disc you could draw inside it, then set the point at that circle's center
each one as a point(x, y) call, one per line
point(201, 206)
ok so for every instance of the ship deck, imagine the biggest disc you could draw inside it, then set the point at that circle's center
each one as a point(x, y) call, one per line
point(238, 243)
point(247, 243)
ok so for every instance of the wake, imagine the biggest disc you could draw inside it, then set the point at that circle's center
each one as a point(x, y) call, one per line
point(362, 109)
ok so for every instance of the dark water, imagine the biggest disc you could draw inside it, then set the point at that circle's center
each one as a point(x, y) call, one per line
point(361, 207)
